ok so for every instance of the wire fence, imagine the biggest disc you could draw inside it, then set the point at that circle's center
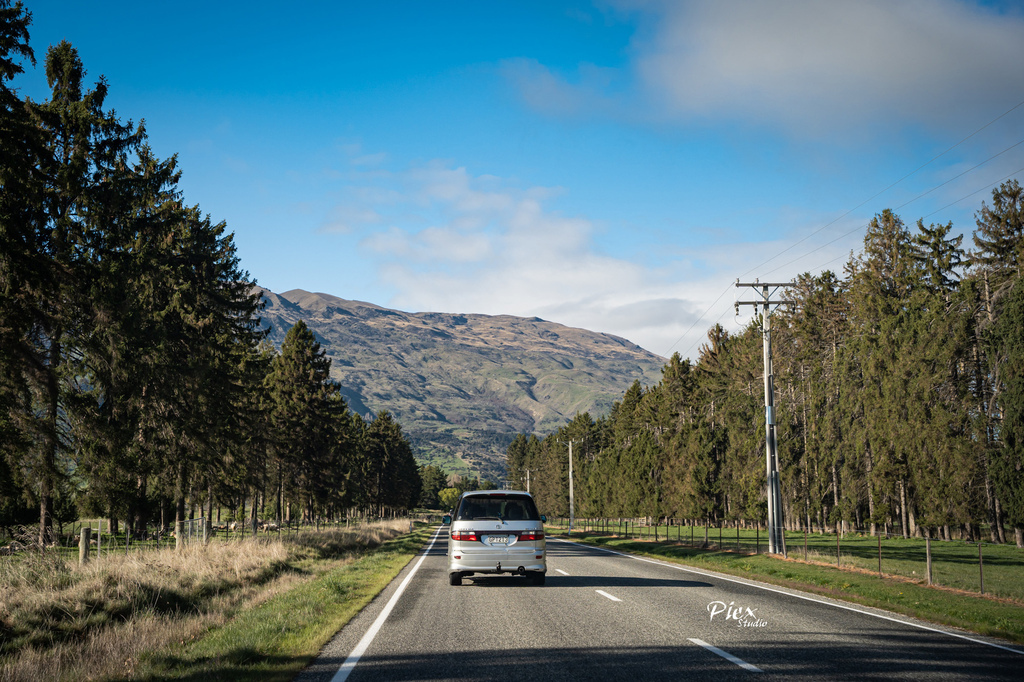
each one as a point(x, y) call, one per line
point(984, 568)
point(92, 539)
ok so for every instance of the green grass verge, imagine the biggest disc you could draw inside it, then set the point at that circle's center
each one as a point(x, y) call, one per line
point(277, 639)
point(983, 615)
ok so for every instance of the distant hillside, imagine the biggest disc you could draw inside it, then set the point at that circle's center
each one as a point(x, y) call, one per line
point(462, 386)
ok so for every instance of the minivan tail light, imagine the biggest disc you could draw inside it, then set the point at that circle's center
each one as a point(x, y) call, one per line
point(465, 536)
point(531, 535)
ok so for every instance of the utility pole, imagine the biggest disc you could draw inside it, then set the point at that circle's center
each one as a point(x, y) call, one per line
point(572, 511)
point(776, 538)
point(572, 508)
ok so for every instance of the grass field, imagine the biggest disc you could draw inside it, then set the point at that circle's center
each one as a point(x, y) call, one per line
point(152, 614)
point(278, 638)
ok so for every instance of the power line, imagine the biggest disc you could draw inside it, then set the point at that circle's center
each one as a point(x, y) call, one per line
point(861, 227)
point(988, 186)
point(907, 203)
point(883, 191)
point(874, 196)
point(857, 229)
point(698, 341)
point(697, 321)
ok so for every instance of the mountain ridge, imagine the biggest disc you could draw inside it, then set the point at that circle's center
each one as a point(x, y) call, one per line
point(463, 385)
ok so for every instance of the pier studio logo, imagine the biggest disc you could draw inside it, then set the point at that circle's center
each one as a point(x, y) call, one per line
point(743, 616)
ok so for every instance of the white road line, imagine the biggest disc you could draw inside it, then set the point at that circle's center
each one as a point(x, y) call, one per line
point(719, 576)
point(605, 594)
point(561, 571)
point(350, 663)
point(726, 655)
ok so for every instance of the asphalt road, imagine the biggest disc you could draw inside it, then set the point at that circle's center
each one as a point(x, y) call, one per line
point(605, 616)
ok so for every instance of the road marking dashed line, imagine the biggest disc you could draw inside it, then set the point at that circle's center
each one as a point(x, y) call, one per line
point(726, 655)
point(605, 594)
point(561, 571)
point(719, 576)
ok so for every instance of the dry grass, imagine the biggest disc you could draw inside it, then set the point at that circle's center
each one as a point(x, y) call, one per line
point(61, 621)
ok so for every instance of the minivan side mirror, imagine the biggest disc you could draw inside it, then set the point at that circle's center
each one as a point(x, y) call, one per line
point(446, 520)
point(543, 518)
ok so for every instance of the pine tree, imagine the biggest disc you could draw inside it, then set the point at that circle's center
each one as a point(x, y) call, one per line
point(20, 266)
point(515, 458)
point(82, 147)
point(434, 480)
point(391, 475)
point(1006, 353)
point(309, 439)
point(1000, 237)
point(938, 257)
point(881, 280)
point(819, 327)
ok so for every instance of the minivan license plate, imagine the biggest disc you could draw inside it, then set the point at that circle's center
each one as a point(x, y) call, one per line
point(499, 539)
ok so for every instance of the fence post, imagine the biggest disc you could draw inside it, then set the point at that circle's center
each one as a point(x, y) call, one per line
point(981, 571)
point(838, 563)
point(757, 538)
point(879, 555)
point(928, 551)
point(805, 543)
point(83, 546)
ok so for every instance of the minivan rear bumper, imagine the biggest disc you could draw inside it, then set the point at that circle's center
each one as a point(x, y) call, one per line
point(512, 560)
point(507, 566)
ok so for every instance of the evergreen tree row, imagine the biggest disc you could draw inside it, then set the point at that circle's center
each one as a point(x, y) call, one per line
point(134, 380)
point(899, 390)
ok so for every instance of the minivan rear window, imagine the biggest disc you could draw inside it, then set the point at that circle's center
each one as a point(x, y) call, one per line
point(497, 507)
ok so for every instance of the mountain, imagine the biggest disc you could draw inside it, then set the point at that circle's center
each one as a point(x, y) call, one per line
point(462, 386)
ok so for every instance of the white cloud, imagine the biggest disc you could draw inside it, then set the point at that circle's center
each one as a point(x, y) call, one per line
point(807, 66)
point(369, 159)
point(346, 218)
point(433, 245)
point(456, 242)
point(554, 94)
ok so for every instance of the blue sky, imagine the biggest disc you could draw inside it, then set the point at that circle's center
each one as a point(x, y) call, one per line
point(607, 165)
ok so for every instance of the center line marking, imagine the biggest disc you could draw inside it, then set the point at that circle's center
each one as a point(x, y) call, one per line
point(726, 655)
point(605, 594)
point(561, 571)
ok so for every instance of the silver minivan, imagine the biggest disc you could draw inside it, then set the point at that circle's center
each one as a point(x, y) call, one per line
point(496, 531)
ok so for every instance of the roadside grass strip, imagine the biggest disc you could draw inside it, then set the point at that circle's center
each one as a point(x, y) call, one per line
point(277, 639)
point(1000, 618)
